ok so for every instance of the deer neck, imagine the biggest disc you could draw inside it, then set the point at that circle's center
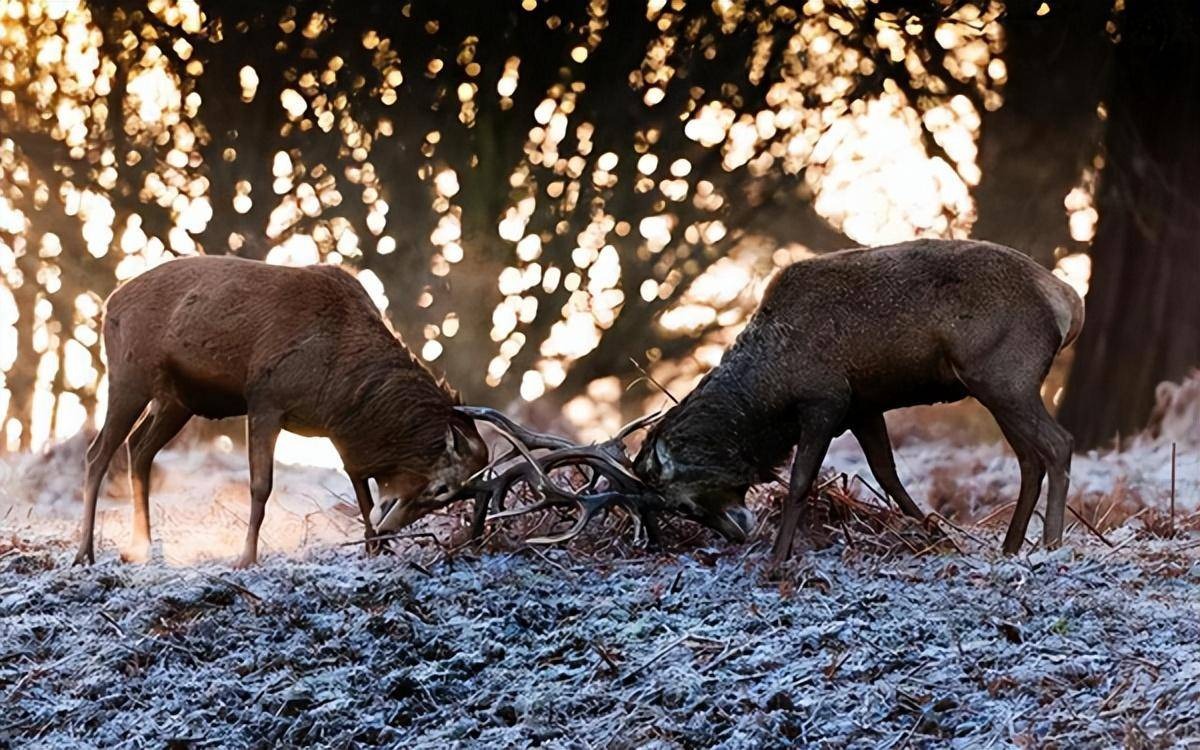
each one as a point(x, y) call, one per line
point(396, 422)
point(725, 424)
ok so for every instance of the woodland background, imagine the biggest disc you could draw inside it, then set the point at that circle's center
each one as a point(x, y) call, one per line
point(536, 192)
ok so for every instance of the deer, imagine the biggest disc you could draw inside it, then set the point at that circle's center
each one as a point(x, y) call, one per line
point(302, 349)
point(836, 342)
point(840, 339)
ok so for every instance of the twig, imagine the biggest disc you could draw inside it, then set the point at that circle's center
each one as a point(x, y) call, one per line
point(651, 379)
point(995, 513)
point(1112, 505)
point(1172, 490)
point(546, 559)
point(666, 650)
point(900, 537)
point(111, 621)
point(1189, 545)
point(419, 567)
point(1108, 555)
point(1089, 526)
point(481, 543)
point(870, 488)
point(232, 585)
point(606, 657)
point(908, 735)
point(12, 695)
point(398, 535)
point(729, 652)
point(942, 519)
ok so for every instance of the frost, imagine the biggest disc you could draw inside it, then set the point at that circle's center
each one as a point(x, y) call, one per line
point(594, 644)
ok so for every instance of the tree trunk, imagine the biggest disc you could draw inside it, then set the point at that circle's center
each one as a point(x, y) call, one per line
point(1033, 149)
point(1143, 322)
point(21, 378)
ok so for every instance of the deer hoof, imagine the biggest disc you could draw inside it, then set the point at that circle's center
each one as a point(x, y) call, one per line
point(244, 562)
point(136, 554)
point(84, 558)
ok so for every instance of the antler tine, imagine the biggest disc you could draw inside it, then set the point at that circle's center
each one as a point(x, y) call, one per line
point(614, 447)
point(599, 456)
point(552, 496)
point(527, 437)
point(603, 457)
point(501, 481)
point(541, 481)
point(548, 501)
point(592, 506)
point(492, 494)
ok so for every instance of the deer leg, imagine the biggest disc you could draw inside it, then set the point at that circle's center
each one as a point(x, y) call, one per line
point(871, 433)
point(165, 421)
point(362, 492)
point(479, 514)
point(139, 548)
point(1041, 445)
point(123, 411)
point(1031, 486)
point(262, 430)
point(818, 431)
point(1055, 448)
point(653, 532)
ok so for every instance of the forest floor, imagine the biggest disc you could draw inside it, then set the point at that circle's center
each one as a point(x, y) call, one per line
point(885, 635)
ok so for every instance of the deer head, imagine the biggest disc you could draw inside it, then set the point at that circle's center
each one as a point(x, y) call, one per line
point(409, 496)
point(711, 493)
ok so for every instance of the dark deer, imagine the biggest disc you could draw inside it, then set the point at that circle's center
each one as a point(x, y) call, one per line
point(841, 339)
point(301, 349)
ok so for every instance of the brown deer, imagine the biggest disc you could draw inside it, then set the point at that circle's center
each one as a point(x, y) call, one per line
point(841, 339)
point(301, 349)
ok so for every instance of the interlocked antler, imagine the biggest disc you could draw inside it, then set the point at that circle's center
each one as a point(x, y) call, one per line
point(605, 462)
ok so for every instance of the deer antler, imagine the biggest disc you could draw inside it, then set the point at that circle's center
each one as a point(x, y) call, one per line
point(606, 461)
point(529, 438)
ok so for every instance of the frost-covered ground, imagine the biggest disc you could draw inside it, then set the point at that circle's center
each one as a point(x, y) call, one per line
point(861, 643)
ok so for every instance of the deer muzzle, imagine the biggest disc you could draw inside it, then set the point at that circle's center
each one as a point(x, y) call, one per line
point(393, 514)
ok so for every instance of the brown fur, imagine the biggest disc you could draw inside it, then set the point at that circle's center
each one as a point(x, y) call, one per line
point(302, 349)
